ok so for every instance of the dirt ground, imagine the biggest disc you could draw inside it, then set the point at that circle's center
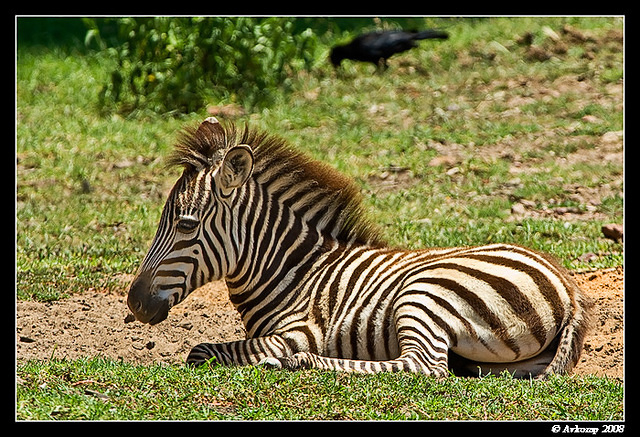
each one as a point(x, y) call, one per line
point(99, 324)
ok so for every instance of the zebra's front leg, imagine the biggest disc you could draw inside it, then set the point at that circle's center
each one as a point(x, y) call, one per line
point(421, 351)
point(239, 353)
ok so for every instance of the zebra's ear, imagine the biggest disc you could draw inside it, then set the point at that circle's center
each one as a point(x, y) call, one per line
point(236, 168)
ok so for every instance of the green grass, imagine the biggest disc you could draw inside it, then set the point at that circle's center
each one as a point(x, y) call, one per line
point(90, 189)
point(97, 389)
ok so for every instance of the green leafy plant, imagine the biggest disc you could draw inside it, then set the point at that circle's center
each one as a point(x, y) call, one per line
point(179, 64)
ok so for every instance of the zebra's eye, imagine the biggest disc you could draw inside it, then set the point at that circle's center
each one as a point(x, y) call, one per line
point(186, 225)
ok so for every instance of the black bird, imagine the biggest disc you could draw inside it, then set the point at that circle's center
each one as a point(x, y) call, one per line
point(376, 47)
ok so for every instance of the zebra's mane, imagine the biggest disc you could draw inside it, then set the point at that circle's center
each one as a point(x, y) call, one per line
point(205, 146)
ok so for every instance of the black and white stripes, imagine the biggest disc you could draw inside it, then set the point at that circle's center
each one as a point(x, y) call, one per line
point(317, 287)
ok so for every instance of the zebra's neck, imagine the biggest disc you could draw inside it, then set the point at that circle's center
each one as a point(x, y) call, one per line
point(287, 234)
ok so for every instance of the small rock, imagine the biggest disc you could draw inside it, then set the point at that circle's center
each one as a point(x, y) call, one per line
point(186, 325)
point(375, 109)
point(587, 257)
point(452, 171)
point(611, 137)
point(150, 345)
point(535, 53)
point(592, 119)
point(575, 34)
point(518, 209)
point(443, 160)
point(526, 39)
point(613, 231)
point(561, 210)
point(130, 318)
point(521, 206)
point(550, 33)
point(125, 163)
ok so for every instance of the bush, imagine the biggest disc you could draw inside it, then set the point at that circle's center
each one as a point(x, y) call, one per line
point(178, 65)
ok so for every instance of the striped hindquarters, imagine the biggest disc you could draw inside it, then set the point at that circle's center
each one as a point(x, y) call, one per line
point(496, 303)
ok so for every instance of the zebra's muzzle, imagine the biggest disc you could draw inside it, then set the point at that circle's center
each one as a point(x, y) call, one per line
point(148, 307)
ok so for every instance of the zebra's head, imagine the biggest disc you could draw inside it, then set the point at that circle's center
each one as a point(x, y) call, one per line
point(194, 223)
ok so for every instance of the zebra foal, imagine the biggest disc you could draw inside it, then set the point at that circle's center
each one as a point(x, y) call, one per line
point(316, 286)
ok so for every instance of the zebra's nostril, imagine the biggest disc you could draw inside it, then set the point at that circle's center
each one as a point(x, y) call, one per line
point(134, 305)
point(138, 294)
point(146, 306)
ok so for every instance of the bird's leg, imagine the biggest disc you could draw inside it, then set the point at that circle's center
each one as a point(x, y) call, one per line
point(382, 65)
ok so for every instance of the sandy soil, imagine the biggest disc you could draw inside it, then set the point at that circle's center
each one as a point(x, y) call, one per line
point(99, 324)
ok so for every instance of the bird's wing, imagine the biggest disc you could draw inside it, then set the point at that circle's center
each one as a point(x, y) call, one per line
point(389, 42)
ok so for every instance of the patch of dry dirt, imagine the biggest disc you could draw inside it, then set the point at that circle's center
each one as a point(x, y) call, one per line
point(94, 325)
point(603, 352)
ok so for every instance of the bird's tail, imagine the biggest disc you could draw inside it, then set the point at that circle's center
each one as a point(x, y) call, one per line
point(426, 34)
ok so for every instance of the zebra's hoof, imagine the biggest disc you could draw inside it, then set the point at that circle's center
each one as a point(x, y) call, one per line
point(270, 363)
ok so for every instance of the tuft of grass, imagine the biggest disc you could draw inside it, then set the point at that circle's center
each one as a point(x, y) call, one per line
point(99, 389)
